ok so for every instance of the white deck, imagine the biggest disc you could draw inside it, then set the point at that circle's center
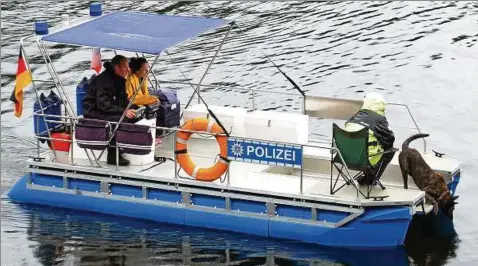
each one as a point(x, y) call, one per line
point(269, 180)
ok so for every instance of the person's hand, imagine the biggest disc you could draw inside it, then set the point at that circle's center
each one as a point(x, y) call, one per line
point(130, 113)
point(157, 100)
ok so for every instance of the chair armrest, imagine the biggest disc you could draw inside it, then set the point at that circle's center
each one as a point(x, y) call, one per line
point(384, 152)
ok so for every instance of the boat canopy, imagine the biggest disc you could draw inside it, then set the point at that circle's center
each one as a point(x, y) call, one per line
point(135, 31)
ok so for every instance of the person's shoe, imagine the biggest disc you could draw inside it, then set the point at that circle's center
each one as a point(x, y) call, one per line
point(111, 159)
point(123, 161)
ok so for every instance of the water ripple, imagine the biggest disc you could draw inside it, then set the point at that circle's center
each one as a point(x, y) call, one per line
point(421, 53)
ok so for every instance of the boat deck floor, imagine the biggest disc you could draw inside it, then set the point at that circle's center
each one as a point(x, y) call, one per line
point(249, 177)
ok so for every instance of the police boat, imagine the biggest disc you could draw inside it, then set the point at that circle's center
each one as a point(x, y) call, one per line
point(238, 169)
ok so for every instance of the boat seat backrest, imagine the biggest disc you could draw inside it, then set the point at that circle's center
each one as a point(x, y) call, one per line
point(134, 139)
point(92, 133)
point(352, 147)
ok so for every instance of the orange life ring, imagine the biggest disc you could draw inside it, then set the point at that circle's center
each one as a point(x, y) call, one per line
point(201, 174)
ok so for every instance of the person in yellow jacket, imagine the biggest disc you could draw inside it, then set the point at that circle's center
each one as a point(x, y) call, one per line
point(139, 71)
point(381, 138)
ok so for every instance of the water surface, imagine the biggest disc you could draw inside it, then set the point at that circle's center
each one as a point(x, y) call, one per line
point(420, 53)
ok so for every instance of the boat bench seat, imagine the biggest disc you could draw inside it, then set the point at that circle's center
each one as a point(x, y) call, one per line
point(94, 134)
point(134, 139)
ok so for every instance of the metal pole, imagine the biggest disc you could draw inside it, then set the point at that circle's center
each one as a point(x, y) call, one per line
point(182, 73)
point(229, 87)
point(150, 82)
point(117, 157)
point(414, 122)
point(253, 100)
point(228, 175)
point(154, 76)
point(174, 154)
point(38, 145)
point(47, 65)
point(303, 104)
point(54, 75)
point(357, 187)
point(59, 81)
point(207, 69)
point(45, 81)
point(302, 173)
point(71, 143)
point(38, 98)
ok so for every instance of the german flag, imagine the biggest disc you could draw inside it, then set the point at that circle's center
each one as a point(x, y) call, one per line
point(23, 79)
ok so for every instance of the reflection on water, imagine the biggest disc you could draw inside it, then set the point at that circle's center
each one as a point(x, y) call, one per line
point(415, 52)
point(81, 238)
point(431, 240)
point(68, 237)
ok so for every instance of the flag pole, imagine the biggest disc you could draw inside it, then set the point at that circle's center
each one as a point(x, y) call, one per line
point(24, 57)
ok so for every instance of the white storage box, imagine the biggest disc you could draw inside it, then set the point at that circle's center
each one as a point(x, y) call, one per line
point(232, 118)
point(277, 126)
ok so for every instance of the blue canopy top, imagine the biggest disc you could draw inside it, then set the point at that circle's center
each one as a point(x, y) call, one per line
point(135, 31)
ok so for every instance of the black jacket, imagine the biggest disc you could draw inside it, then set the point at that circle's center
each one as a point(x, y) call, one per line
point(378, 124)
point(106, 98)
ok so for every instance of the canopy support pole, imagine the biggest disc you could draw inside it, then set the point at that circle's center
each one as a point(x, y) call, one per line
point(198, 87)
point(60, 88)
point(182, 73)
point(39, 101)
point(155, 79)
point(149, 78)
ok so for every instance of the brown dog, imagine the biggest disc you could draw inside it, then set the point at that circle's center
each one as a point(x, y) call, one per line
point(436, 191)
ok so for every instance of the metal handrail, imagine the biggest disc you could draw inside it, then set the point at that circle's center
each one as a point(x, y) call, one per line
point(231, 87)
point(74, 120)
point(414, 122)
point(252, 91)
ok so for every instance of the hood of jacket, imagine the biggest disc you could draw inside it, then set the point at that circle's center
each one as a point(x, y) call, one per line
point(374, 102)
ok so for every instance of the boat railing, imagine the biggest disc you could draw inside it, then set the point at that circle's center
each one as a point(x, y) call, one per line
point(416, 127)
point(252, 91)
point(72, 121)
point(318, 107)
point(322, 107)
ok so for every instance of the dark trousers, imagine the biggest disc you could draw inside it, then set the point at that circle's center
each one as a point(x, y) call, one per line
point(376, 171)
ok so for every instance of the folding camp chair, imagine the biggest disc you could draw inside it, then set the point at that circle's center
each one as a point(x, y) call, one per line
point(353, 155)
point(92, 134)
point(134, 139)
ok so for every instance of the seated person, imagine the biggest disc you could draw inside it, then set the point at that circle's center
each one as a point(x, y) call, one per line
point(106, 99)
point(372, 115)
point(139, 72)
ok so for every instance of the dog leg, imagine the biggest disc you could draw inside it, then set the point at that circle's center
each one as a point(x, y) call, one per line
point(433, 201)
point(405, 179)
point(403, 168)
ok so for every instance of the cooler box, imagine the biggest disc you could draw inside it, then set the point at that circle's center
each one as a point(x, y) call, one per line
point(232, 118)
point(277, 126)
point(61, 142)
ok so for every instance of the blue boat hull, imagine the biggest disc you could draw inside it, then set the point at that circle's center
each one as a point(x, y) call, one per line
point(377, 227)
point(190, 241)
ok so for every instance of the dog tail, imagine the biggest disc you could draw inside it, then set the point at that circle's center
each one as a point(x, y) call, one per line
point(412, 138)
